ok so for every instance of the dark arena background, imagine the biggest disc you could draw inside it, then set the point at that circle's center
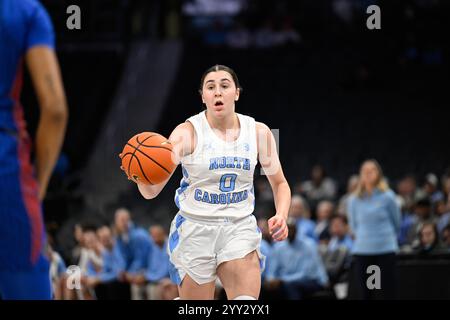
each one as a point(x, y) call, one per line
point(338, 92)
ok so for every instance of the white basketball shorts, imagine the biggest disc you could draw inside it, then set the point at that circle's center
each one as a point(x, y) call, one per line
point(197, 247)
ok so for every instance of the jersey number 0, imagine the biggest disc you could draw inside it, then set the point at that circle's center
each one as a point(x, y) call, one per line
point(227, 182)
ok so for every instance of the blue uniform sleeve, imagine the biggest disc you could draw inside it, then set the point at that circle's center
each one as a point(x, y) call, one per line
point(40, 29)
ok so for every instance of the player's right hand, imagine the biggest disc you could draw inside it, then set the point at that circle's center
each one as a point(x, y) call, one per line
point(135, 179)
point(278, 228)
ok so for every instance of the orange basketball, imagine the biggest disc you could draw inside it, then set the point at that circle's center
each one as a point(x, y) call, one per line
point(147, 157)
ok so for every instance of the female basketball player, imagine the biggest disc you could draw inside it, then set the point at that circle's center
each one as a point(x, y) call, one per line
point(27, 40)
point(214, 233)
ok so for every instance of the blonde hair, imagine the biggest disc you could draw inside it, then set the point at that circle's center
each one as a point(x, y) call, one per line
point(381, 184)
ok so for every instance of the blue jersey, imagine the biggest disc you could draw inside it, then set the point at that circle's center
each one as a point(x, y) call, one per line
point(23, 24)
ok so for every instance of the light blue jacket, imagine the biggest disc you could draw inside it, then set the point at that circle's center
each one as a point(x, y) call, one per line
point(296, 261)
point(158, 264)
point(113, 265)
point(375, 222)
point(135, 247)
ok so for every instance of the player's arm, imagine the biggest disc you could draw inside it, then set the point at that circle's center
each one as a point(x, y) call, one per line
point(183, 143)
point(46, 77)
point(270, 162)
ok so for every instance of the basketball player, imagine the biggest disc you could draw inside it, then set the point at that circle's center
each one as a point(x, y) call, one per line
point(214, 233)
point(26, 37)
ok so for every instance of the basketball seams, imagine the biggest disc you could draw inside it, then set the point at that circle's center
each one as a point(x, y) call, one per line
point(150, 146)
point(142, 170)
point(139, 147)
point(141, 143)
point(129, 164)
point(133, 154)
point(146, 155)
point(157, 147)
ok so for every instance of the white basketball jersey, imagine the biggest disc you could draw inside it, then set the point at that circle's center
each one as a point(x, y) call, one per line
point(218, 176)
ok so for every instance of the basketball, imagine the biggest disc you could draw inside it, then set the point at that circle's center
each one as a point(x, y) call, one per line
point(147, 158)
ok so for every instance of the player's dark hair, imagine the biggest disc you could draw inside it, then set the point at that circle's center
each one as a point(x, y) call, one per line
point(220, 67)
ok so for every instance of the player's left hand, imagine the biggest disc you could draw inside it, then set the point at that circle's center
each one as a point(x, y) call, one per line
point(278, 228)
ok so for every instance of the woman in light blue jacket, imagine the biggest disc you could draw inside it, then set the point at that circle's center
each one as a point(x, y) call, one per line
point(375, 220)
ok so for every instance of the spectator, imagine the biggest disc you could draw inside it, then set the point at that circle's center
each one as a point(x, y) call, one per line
point(446, 185)
point(134, 243)
point(404, 237)
point(76, 251)
point(159, 286)
point(90, 258)
point(57, 274)
point(374, 219)
point(295, 267)
point(446, 237)
point(422, 215)
point(91, 251)
point(105, 280)
point(406, 197)
point(266, 247)
point(431, 191)
point(352, 183)
point(300, 212)
point(325, 210)
point(340, 236)
point(320, 187)
point(408, 192)
point(429, 240)
point(442, 214)
point(336, 254)
point(135, 246)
